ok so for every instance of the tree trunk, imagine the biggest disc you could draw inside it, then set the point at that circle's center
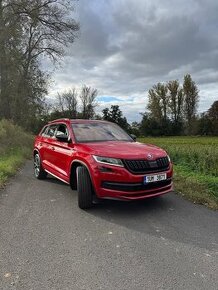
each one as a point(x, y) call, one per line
point(4, 77)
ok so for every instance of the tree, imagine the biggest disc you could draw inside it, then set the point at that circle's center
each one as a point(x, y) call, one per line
point(30, 30)
point(175, 105)
point(191, 99)
point(106, 114)
point(204, 124)
point(207, 122)
point(9, 55)
point(71, 103)
point(154, 105)
point(169, 105)
point(98, 117)
point(158, 109)
point(150, 126)
point(115, 115)
point(158, 102)
point(213, 116)
point(88, 99)
point(135, 128)
point(67, 103)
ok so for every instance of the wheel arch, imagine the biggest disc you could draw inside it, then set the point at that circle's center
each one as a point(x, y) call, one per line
point(73, 178)
point(35, 151)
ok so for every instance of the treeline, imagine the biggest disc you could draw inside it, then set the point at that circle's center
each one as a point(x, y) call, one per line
point(74, 104)
point(172, 110)
point(80, 103)
point(32, 32)
point(202, 124)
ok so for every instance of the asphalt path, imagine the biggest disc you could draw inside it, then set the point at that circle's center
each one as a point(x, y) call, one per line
point(47, 242)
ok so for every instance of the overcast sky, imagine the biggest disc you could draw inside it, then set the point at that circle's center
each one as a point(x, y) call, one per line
point(127, 46)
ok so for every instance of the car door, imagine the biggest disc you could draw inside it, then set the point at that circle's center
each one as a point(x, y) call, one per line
point(63, 152)
point(49, 156)
point(39, 142)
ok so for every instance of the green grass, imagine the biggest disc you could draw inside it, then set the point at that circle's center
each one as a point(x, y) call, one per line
point(195, 164)
point(15, 147)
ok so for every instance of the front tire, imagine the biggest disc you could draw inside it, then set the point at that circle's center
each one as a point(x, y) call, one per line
point(84, 188)
point(39, 172)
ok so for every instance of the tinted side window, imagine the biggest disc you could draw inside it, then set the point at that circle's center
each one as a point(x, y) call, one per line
point(43, 133)
point(62, 129)
point(51, 131)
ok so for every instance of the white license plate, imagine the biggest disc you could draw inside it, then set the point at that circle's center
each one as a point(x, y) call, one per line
point(155, 178)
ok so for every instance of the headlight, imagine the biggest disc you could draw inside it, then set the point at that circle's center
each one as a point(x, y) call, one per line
point(108, 160)
point(169, 158)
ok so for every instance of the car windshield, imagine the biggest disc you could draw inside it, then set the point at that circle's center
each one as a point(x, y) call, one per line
point(99, 132)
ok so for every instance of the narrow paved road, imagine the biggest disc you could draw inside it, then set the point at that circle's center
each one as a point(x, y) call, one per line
point(47, 242)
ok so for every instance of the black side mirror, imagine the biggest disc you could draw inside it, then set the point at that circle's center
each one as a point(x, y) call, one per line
point(62, 137)
point(133, 137)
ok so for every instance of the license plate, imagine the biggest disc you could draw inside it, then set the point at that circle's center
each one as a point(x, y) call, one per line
point(155, 178)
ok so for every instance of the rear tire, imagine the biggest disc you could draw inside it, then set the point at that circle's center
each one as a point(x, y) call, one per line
point(84, 188)
point(39, 172)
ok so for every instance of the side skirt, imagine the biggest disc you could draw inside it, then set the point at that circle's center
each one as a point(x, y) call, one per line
point(56, 176)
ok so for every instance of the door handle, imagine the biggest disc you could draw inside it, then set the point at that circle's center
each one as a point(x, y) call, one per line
point(52, 148)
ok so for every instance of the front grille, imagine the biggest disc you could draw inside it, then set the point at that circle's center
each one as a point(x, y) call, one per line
point(145, 166)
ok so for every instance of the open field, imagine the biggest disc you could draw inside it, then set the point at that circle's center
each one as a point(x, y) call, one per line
point(15, 147)
point(195, 164)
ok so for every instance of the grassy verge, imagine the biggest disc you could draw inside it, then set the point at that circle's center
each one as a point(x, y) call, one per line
point(15, 147)
point(196, 187)
point(195, 167)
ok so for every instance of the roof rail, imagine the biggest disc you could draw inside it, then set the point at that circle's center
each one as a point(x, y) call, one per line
point(61, 119)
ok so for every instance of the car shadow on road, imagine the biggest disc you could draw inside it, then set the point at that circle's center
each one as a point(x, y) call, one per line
point(132, 209)
point(130, 212)
point(54, 180)
point(167, 217)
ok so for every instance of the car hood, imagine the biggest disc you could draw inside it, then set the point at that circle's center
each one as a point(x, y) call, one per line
point(122, 150)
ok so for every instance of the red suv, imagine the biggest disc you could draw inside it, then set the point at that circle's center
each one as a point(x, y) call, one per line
point(100, 160)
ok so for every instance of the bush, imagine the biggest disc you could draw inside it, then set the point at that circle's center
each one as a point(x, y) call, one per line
point(13, 137)
point(15, 146)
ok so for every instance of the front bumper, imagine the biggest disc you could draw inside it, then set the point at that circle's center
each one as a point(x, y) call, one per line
point(119, 183)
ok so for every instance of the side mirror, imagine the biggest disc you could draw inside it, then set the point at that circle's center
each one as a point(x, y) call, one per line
point(62, 137)
point(133, 137)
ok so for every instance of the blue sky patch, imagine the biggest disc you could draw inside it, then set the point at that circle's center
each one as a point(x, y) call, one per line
point(107, 99)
